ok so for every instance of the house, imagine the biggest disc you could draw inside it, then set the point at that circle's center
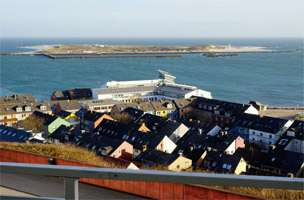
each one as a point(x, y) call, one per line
point(104, 145)
point(165, 109)
point(133, 113)
point(262, 108)
point(72, 118)
point(152, 122)
point(92, 119)
point(261, 130)
point(11, 113)
point(218, 112)
point(222, 163)
point(103, 106)
point(125, 164)
point(146, 107)
point(163, 88)
point(284, 162)
point(139, 139)
point(200, 139)
point(12, 134)
point(60, 135)
point(174, 130)
point(51, 123)
point(293, 138)
point(72, 94)
point(67, 105)
point(24, 98)
point(81, 112)
point(183, 108)
point(154, 159)
point(253, 158)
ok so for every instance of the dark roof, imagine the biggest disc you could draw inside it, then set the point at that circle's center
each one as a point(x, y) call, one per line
point(169, 127)
point(260, 123)
point(48, 118)
point(81, 112)
point(92, 116)
point(23, 98)
point(228, 164)
point(152, 122)
point(60, 133)
point(99, 143)
point(134, 113)
point(223, 107)
point(11, 134)
point(76, 93)
point(251, 156)
point(129, 133)
point(63, 114)
point(211, 160)
point(288, 161)
point(195, 140)
point(157, 157)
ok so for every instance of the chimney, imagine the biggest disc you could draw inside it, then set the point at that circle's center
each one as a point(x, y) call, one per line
point(190, 120)
point(180, 154)
point(199, 131)
point(14, 96)
point(191, 148)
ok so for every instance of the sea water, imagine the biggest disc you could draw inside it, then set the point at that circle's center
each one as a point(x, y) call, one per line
point(276, 79)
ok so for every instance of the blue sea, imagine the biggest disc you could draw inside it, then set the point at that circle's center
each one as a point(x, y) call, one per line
point(276, 79)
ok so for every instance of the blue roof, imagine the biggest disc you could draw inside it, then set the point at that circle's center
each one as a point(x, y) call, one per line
point(11, 134)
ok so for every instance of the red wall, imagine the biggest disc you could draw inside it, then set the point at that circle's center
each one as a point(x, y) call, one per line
point(147, 189)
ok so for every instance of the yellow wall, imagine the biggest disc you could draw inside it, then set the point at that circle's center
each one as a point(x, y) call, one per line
point(162, 113)
point(72, 116)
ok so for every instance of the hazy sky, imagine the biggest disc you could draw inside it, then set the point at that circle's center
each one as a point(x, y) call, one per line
point(152, 18)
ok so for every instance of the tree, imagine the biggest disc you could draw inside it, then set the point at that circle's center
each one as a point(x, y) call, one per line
point(32, 122)
point(123, 118)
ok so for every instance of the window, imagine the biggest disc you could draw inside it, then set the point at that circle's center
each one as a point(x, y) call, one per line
point(9, 117)
point(224, 166)
point(261, 134)
point(270, 136)
point(177, 166)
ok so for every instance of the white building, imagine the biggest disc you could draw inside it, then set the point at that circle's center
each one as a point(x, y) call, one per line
point(163, 88)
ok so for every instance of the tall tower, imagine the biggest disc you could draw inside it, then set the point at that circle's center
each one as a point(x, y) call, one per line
point(229, 45)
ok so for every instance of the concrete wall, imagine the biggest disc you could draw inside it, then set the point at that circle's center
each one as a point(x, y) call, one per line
point(154, 190)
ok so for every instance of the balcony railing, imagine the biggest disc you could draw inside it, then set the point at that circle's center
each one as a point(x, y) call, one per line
point(71, 175)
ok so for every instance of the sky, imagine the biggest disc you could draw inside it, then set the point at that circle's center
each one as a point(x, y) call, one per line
point(152, 18)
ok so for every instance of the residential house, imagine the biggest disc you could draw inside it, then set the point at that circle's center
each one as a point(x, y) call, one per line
point(92, 119)
point(15, 99)
point(218, 112)
point(153, 159)
point(104, 145)
point(293, 138)
point(261, 130)
point(103, 106)
point(12, 134)
point(146, 107)
point(68, 105)
point(253, 158)
point(11, 113)
point(284, 162)
point(174, 130)
point(51, 123)
point(72, 118)
point(183, 108)
point(139, 139)
point(262, 108)
point(165, 109)
point(201, 140)
point(72, 94)
point(219, 162)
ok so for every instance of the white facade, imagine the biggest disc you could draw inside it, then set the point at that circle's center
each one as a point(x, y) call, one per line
point(252, 110)
point(163, 88)
point(266, 139)
point(179, 133)
point(166, 145)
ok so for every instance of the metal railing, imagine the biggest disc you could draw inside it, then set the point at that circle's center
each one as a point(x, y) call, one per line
point(71, 175)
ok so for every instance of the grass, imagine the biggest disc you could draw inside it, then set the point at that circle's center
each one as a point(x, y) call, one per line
point(68, 152)
point(71, 152)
